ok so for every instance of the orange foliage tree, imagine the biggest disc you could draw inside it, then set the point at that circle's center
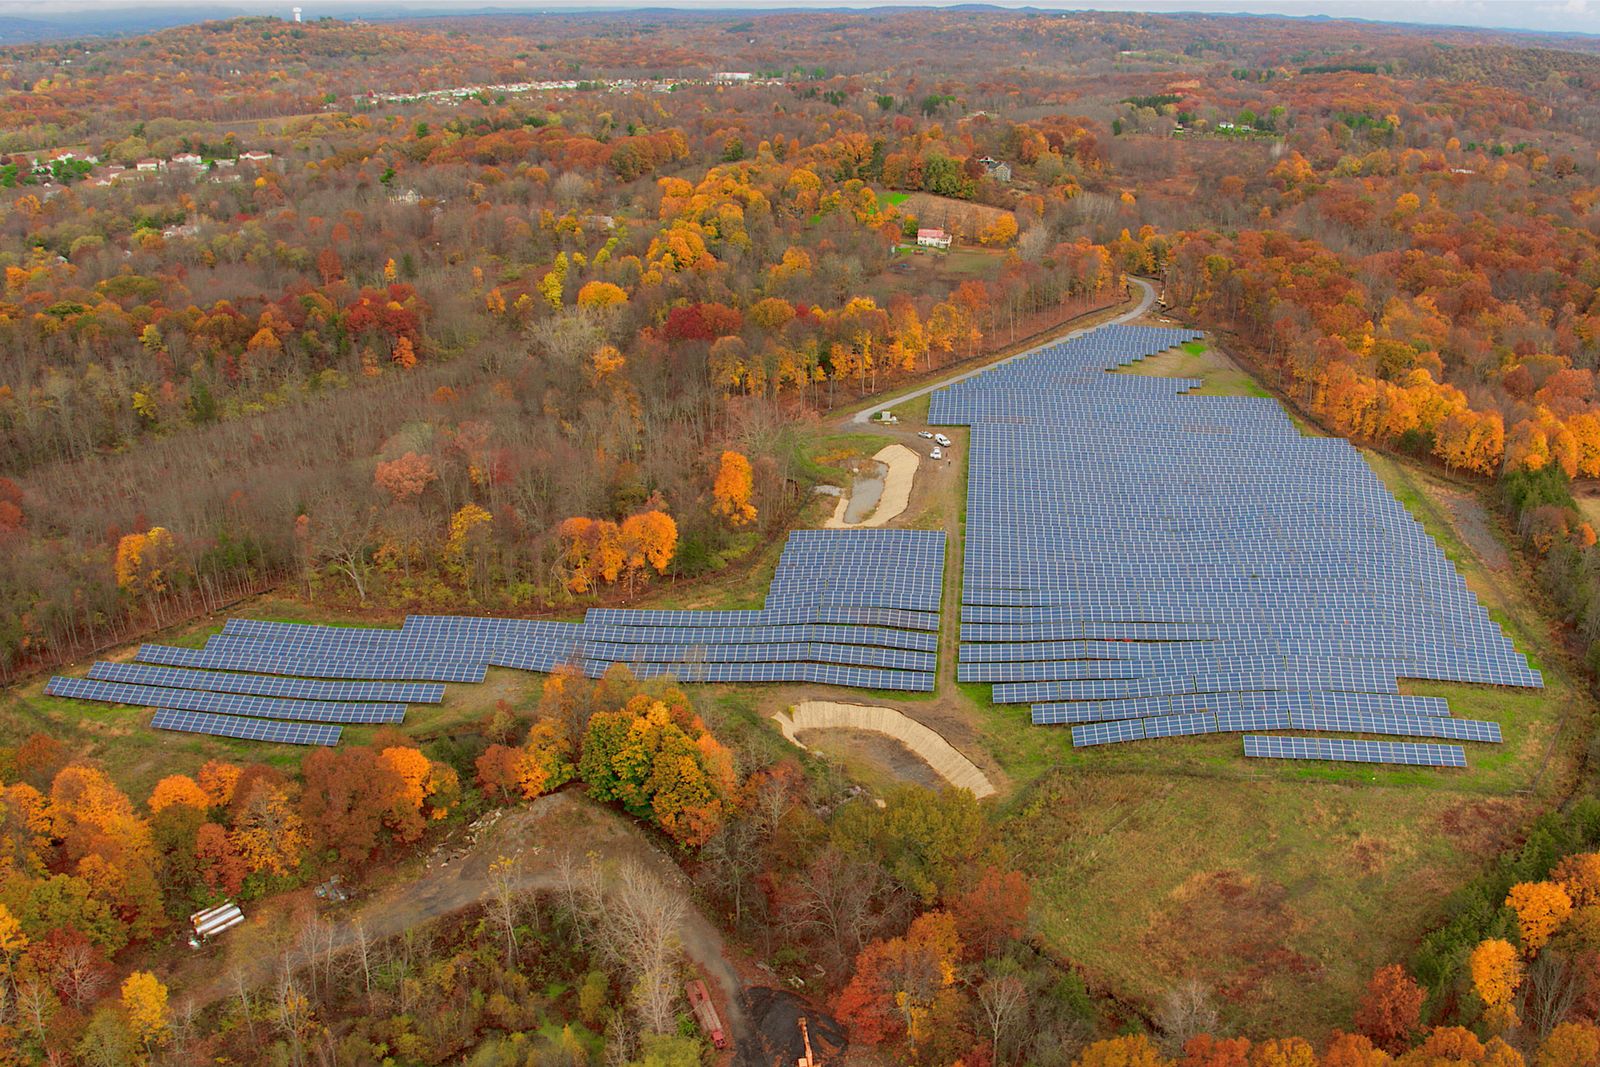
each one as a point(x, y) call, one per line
point(655, 756)
point(903, 985)
point(1391, 1008)
point(732, 488)
point(1132, 1050)
point(1571, 1044)
point(1496, 971)
point(1541, 908)
point(178, 789)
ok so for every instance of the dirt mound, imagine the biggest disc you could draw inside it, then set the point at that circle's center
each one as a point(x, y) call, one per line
point(775, 1016)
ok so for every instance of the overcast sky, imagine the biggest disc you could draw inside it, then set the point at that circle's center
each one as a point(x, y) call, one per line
point(1569, 16)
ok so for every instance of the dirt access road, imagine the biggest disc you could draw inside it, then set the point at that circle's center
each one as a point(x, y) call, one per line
point(537, 835)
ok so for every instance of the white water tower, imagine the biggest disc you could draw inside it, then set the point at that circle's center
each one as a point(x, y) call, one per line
point(297, 14)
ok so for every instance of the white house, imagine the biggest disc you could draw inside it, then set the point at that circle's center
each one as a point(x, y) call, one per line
point(255, 157)
point(187, 159)
point(933, 238)
point(149, 164)
point(729, 77)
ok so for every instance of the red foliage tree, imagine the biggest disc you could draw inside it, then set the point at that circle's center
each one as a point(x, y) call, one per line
point(1391, 1009)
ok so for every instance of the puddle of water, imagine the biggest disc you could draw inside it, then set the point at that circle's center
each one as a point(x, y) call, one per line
point(864, 494)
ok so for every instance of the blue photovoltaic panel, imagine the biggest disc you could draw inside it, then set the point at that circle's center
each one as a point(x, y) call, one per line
point(846, 607)
point(1198, 722)
point(289, 733)
point(268, 685)
point(855, 608)
point(1400, 725)
point(311, 666)
point(1107, 733)
point(1348, 751)
point(150, 696)
point(1130, 543)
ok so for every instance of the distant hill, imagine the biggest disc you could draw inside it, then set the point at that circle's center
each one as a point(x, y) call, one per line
point(105, 23)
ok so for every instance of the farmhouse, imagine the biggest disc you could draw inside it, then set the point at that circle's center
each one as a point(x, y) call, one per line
point(933, 238)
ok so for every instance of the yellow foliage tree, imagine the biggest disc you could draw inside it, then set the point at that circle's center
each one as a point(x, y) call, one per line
point(139, 561)
point(732, 489)
point(599, 294)
point(467, 519)
point(1002, 231)
point(545, 762)
point(144, 999)
point(1541, 908)
point(554, 281)
point(13, 942)
point(1496, 971)
point(268, 834)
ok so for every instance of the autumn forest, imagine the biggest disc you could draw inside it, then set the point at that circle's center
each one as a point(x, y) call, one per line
point(338, 321)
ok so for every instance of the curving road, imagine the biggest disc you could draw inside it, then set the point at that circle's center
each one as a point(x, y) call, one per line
point(1147, 297)
point(536, 834)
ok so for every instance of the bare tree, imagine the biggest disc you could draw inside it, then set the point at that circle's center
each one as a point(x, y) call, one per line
point(342, 531)
point(363, 954)
point(292, 1011)
point(505, 900)
point(1185, 1012)
point(575, 890)
point(33, 1006)
point(1548, 992)
point(241, 990)
point(642, 917)
point(1001, 998)
point(840, 902)
point(77, 975)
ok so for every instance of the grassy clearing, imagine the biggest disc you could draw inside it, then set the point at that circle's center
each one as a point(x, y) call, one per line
point(1196, 359)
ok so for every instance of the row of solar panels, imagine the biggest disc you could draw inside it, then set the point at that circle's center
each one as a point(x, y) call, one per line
point(855, 608)
point(1287, 703)
point(1228, 722)
point(1140, 561)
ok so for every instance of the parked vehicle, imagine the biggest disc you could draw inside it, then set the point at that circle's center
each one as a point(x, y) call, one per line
point(942, 439)
point(936, 454)
point(925, 433)
point(209, 923)
point(705, 1013)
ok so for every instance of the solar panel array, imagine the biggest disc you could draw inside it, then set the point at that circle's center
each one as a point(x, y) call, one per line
point(853, 608)
point(1144, 562)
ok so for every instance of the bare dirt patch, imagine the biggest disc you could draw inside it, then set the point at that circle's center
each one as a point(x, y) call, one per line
point(1471, 521)
point(853, 748)
point(899, 473)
